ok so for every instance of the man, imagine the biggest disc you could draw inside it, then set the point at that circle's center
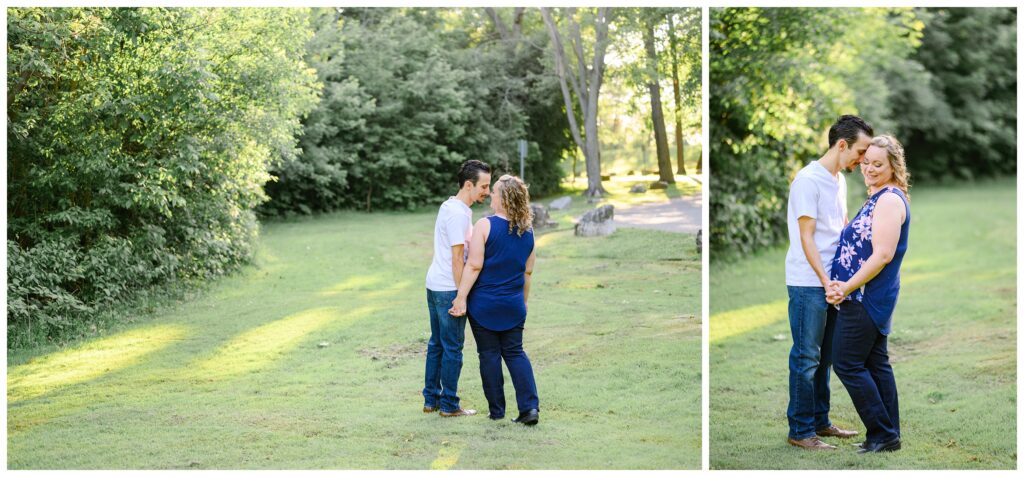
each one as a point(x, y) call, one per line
point(815, 217)
point(452, 231)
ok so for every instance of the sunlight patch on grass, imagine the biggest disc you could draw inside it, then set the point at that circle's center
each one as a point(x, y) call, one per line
point(358, 282)
point(447, 456)
point(259, 347)
point(395, 289)
point(541, 241)
point(87, 362)
point(744, 320)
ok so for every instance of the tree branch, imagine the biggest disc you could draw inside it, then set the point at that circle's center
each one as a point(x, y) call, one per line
point(499, 25)
point(560, 69)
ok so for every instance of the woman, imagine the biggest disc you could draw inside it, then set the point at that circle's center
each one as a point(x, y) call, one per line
point(496, 282)
point(865, 285)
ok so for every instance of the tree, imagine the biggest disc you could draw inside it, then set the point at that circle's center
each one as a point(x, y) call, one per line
point(585, 82)
point(138, 144)
point(957, 101)
point(779, 77)
point(657, 115)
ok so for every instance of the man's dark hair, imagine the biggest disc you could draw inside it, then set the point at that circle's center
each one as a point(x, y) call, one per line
point(470, 171)
point(847, 127)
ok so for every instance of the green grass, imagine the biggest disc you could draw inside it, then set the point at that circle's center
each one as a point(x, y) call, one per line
point(232, 377)
point(953, 346)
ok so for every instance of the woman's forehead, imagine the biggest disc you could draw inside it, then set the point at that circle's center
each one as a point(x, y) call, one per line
point(876, 152)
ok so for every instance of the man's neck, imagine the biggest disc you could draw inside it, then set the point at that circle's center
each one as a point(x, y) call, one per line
point(830, 161)
point(463, 195)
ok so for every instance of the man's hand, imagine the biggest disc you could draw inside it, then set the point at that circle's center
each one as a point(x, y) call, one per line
point(458, 307)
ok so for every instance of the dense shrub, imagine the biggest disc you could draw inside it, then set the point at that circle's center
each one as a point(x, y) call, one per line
point(138, 145)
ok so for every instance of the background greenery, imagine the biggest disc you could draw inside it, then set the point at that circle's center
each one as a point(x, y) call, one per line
point(943, 80)
point(138, 144)
point(953, 347)
point(144, 144)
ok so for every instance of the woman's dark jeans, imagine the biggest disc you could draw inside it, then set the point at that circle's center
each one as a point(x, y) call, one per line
point(493, 346)
point(860, 357)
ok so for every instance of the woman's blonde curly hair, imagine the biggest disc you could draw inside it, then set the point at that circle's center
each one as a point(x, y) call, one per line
point(515, 199)
point(897, 160)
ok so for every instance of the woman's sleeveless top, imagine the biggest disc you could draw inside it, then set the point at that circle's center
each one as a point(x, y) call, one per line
point(879, 294)
point(496, 300)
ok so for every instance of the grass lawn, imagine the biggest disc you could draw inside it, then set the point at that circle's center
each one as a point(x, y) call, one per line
point(234, 377)
point(953, 346)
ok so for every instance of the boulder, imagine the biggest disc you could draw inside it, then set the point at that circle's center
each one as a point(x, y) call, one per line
point(638, 189)
point(560, 203)
point(541, 218)
point(659, 185)
point(597, 222)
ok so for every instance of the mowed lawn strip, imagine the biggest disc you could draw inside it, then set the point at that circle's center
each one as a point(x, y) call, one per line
point(313, 358)
point(953, 346)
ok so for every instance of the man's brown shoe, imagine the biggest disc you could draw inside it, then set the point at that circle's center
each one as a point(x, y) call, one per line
point(834, 431)
point(811, 443)
point(458, 412)
point(428, 409)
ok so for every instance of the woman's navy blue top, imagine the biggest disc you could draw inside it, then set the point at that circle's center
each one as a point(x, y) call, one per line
point(880, 293)
point(496, 300)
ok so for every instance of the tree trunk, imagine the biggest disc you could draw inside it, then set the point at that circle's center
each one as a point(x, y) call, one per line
point(675, 92)
point(586, 84)
point(657, 115)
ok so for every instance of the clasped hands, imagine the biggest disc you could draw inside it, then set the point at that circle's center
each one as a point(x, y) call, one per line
point(458, 307)
point(835, 292)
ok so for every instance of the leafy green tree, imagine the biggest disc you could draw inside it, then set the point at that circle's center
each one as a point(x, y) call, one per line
point(581, 79)
point(411, 93)
point(138, 145)
point(779, 77)
point(957, 108)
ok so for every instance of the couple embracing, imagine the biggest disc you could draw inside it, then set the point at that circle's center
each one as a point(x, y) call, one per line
point(481, 273)
point(843, 279)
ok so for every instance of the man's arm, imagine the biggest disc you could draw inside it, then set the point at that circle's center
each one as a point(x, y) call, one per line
point(810, 249)
point(457, 262)
point(473, 266)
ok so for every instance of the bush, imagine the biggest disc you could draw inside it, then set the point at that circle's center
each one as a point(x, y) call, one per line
point(405, 101)
point(138, 145)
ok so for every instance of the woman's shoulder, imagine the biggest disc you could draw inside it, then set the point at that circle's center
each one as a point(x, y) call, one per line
point(893, 195)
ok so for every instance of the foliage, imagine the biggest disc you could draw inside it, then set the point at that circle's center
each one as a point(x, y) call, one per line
point(779, 77)
point(408, 95)
point(633, 72)
point(943, 80)
point(959, 121)
point(138, 142)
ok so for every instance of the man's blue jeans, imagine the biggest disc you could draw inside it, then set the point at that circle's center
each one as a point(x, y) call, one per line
point(444, 352)
point(811, 322)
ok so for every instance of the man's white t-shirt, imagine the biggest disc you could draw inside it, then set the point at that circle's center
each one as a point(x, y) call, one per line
point(817, 194)
point(454, 226)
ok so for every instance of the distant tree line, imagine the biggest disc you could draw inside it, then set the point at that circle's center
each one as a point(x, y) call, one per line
point(943, 80)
